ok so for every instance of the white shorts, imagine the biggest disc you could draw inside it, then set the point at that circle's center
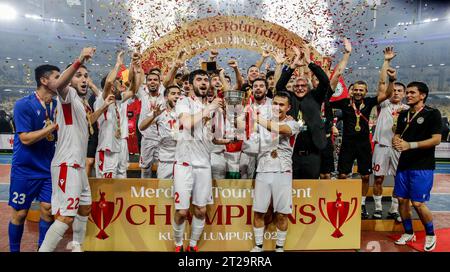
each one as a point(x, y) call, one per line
point(195, 182)
point(277, 186)
point(384, 160)
point(70, 189)
point(247, 165)
point(165, 170)
point(149, 152)
point(106, 164)
point(124, 157)
point(218, 166)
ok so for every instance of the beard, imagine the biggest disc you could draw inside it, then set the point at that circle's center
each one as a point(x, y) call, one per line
point(153, 89)
point(200, 93)
point(259, 97)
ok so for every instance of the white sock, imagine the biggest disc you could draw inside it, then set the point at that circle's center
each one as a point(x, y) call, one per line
point(281, 237)
point(378, 205)
point(363, 200)
point(196, 231)
point(259, 235)
point(79, 228)
point(54, 234)
point(394, 205)
point(178, 233)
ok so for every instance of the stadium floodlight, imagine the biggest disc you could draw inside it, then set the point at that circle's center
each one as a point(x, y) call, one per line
point(33, 16)
point(7, 13)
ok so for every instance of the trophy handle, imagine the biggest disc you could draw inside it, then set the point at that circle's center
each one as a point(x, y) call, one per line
point(354, 199)
point(320, 208)
point(120, 209)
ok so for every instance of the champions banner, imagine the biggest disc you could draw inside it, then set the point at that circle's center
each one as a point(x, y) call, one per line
point(137, 214)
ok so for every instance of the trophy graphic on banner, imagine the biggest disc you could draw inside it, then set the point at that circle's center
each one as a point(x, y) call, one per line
point(102, 213)
point(337, 212)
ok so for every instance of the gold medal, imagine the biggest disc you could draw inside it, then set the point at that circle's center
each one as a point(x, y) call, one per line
point(50, 137)
point(47, 123)
point(394, 126)
point(91, 129)
point(357, 127)
point(274, 154)
point(117, 134)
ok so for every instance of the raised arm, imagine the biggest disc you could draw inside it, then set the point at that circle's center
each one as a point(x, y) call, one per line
point(109, 83)
point(279, 59)
point(239, 79)
point(223, 80)
point(67, 75)
point(263, 58)
point(288, 71)
point(340, 68)
point(389, 54)
point(177, 64)
point(136, 76)
point(213, 55)
point(94, 88)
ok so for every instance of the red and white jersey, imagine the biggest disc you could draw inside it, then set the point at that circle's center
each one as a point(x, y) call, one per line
point(251, 138)
point(123, 111)
point(219, 125)
point(168, 128)
point(148, 103)
point(276, 150)
point(108, 125)
point(73, 130)
point(383, 130)
point(193, 145)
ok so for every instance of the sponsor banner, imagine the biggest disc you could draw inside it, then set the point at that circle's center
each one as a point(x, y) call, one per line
point(240, 32)
point(137, 215)
point(6, 141)
point(442, 151)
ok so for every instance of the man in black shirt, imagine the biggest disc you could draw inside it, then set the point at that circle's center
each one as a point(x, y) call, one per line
point(418, 132)
point(355, 139)
point(306, 109)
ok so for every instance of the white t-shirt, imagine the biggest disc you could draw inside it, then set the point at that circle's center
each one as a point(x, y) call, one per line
point(193, 145)
point(108, 123)
point(147, 104)
point(73, 130)
point(281, 146)
point(167, 124)
point(383, 131)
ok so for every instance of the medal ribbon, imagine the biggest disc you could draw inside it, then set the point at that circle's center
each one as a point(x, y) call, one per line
point(89, 111)
point(410, 120)
point(41, 101)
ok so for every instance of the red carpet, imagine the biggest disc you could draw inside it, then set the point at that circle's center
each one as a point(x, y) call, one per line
point(443, 240)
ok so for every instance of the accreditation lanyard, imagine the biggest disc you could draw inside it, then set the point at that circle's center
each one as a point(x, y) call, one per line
point(358, 111)
point(408, 121)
